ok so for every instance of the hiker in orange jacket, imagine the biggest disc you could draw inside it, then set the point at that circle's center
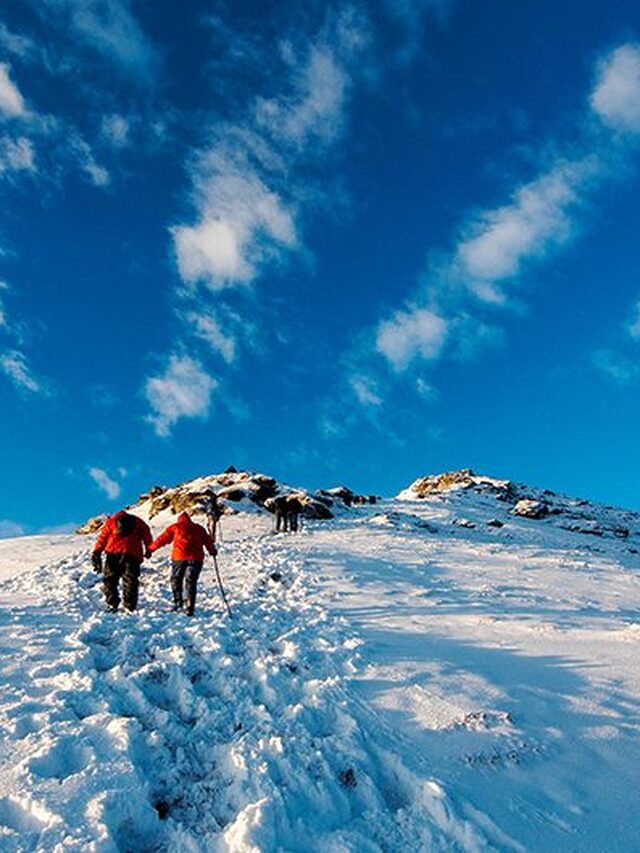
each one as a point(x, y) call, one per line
point(125, 539)
point(187, 556)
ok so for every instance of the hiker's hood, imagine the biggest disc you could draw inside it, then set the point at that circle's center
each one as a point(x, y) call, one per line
point(184, 520)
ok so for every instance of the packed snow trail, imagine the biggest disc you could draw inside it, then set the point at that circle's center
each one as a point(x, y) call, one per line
point(153, 732)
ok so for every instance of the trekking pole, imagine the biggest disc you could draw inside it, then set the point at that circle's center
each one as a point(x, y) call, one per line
point(222, 593)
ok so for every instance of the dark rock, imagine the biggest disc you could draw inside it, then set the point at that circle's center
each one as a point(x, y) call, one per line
point(495, 522)
point(348, 778)
point(162, 808)
point(233, 494)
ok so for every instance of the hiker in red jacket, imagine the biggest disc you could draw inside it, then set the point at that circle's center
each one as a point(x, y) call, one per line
point(187, 556)
point(125, 539)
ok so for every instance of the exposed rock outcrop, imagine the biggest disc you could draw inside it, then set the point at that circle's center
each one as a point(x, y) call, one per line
point(450, 481)
point(93, 525)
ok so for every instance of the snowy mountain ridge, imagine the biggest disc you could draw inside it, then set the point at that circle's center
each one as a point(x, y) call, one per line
point(433, 672)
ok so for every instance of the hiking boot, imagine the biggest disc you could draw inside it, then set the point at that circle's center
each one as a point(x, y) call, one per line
point(177, 607)
point(189, 609)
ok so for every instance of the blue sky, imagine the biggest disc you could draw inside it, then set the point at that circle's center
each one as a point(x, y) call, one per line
point(359, 242)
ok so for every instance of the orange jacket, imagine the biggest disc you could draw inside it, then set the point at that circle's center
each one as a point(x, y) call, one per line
point(134, 544)
point(189, 540)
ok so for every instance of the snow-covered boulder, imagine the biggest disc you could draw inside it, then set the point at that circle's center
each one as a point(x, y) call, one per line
point(528, 508)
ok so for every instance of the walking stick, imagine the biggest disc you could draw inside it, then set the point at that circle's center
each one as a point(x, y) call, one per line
point(222, 593)
point(212, 532)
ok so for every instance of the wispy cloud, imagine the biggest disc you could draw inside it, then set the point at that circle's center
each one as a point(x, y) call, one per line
point(617, 367)
point(210, 328)
point(116, 130)
point(15, 366)
point(411, 333)
point(183, 391)
point(107, 26)
point(105, 483)
point(16, 44)
point(16, 155)
point(411, 16)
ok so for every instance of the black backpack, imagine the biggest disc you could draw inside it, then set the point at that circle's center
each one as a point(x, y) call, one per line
point(125, 524)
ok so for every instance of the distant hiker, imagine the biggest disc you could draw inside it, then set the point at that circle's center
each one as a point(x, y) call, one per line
point(294, 508)
point(213, 510)
point(187, 556)
point(125, 539)
point(281, 511)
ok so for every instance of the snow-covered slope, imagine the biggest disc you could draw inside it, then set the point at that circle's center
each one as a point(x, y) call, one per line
point(407, 677)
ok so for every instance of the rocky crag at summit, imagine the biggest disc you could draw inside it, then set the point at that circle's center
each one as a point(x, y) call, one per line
point(516, 499)
point(233, 491)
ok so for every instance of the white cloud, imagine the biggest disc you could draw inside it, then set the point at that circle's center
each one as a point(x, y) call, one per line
point(242, 223)
point(616, 367)
point(418, 332)
point(104, 482)
point(213, 251)
point(10, 529)
point(14, 364)
point(501, 241)
point(16, 155)
point(365, 390)
point(16, 44)
point(82, 154)
point(11, 101)
point(116, 130)
point(183, 391)
point(315, 110)
point(616, 95)
point(209, 328)
point(109, 27)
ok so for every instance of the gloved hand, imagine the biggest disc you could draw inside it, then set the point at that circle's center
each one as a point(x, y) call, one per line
point(147, 554)
point(215, 551)
point(96, 561)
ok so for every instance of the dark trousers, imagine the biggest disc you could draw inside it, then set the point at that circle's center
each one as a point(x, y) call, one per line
point(185, 573)
point(281, 521)
point(125, 568)
point(293, 522)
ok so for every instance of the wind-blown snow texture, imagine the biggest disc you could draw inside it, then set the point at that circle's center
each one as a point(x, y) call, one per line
point(403, 678)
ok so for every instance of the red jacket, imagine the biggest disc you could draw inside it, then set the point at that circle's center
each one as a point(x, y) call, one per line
point(189, 540)
point(134, 544)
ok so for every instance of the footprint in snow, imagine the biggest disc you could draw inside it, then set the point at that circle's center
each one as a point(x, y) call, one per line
point(21, 817)
point(65, 758)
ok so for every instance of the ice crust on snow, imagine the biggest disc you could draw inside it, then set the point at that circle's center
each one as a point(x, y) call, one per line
point(392, 680)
